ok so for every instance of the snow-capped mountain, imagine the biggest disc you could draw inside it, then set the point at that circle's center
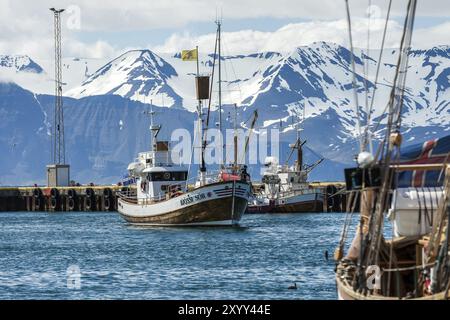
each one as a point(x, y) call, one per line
point(19, 63)
point(312, 83)
point(37, 74)
point(137, 75)
point(318, 76)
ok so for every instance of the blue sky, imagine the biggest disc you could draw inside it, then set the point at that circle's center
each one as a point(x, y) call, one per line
point(154, 37)
point(104, 31)
point(144, 37)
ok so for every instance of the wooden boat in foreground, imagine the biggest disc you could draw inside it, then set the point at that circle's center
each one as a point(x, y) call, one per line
point(412, 260)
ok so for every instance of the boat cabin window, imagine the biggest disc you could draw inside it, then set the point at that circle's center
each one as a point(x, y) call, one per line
point(171, 187)
point(167, 176)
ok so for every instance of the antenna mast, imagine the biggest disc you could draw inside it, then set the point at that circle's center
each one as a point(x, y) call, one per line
point(235, 140)
point(153, 128)
point(58, 147)
point(219, 27)
point(58, 173)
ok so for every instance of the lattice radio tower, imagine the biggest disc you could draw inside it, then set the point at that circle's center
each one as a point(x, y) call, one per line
point(58, 145)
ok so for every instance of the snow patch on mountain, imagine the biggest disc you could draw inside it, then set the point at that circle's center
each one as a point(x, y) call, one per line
point(139, 75)
point(19, 63)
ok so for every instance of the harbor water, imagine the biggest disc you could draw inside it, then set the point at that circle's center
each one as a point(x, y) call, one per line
point(97, 255)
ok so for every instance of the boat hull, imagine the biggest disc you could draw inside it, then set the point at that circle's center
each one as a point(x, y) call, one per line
point(296, 204)
point(211, 205)
point(345, 274)
point(345, 292)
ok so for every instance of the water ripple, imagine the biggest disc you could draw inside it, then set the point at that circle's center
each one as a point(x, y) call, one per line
point(118, 261)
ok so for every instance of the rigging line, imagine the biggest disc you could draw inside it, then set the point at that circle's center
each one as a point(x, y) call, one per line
point(442, 171)
point(205, 134)
point(377, 72)
point(379, 122)
point(198, 128)
point(249, 118)
point(233, 70)
point(365, 240)
point(391, 252)
point(313, 152)
point(347, 222)
point(379, 210)
point(397, 92)
point(366, 75)
point(406, 49)
point(369, 220)
point(219, 45)
point(355, 93)
point(393, 96)
point(410, 268)
point(225, 71)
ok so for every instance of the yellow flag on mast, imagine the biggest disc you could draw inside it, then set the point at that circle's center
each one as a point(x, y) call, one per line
point(189, 55)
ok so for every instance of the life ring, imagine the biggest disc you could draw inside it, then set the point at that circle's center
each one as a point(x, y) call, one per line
point(71, 193)
point(37, 193)
point(71, 203)
point(107, 203)
point(37, 202)
point(54, 193)
point(53, 203)
point(90, 192)
point(89, 203)
point(107, 192)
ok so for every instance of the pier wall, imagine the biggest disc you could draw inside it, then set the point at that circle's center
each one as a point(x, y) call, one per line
point(104, 198)
point(84, 198)
point(335, 197)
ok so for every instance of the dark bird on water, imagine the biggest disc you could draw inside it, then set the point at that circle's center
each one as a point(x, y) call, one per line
point(293, 287)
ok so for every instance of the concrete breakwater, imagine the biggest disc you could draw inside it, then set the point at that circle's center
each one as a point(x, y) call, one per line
point(82, 198)
point(104, 198)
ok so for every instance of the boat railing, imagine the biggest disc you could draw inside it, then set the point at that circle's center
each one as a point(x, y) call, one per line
point(129, 195)
point(299, 192)
point(132, 198)
point(174, 189)
point(211, 177)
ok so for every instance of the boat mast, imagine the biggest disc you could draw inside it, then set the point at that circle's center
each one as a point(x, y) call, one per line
point(235, 140)
point(299, 154)
point(299, 145)
point(219, 25)
point(205, 131)
point(153, 128)
point(201, 129)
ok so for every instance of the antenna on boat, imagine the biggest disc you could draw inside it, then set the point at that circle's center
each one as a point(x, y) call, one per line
point(219, 51)
point(298, 143)
point(153, 128)
point(235, 139)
